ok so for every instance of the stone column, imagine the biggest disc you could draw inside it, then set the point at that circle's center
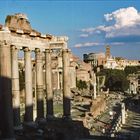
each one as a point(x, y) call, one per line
point(66, 84)
point(58, 80)
point(98, 86)
point(39, 84)
point(93, 79)
point(94, 86)
point(34, 93)
point(135, 88)
point(28, 86)
point(6, 111)
point(95, 93)
point(123, 113)
point(49, 91)
point(15, 86)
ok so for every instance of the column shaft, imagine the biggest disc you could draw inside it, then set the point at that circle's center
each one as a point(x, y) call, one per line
point(28, 86)
point(94, 86)
point(6, 111)
point(66, 83)
point(49, 83)
point(58, 80)
point(15, 86)
point(39, 84)
point(123, 113)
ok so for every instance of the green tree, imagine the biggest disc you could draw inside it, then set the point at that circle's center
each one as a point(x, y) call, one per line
point(116, 80)
point(131, 69)
point(81, 84)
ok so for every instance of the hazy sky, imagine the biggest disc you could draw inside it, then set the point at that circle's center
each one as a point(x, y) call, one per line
point(90, 25)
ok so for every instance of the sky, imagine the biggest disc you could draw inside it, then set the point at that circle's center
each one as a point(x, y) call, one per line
point(89, 24)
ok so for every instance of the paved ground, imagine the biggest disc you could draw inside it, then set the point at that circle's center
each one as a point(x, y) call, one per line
point(132, 126)
point(104, 121)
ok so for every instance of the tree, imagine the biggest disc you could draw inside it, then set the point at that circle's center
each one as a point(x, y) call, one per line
point(81, 84)
point(116, 80)
point(131, 69)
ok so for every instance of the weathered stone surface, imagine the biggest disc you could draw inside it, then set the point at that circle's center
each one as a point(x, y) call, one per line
point(18, 21)
point(6, 113)
point(98, 106)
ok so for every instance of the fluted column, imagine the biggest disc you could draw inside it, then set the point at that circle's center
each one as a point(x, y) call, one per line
point(6, 111)
point(28, 86)
point(39, 84)
point(15, 86)
point(66, 84)
point(49, 90)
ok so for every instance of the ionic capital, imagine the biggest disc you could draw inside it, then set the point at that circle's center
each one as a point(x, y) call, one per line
point(48, 51)
point(13, 47)
point(26, 49)
point(37, 50)
point(4, 43)
point(66, 50)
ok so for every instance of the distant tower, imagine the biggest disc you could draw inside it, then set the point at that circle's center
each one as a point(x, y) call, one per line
point(107, 54)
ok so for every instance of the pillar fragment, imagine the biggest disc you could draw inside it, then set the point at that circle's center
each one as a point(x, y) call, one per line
point(93, 82)
point(66, 84)
point(15, 86)
point(49, 91)
point(123, 113)
point(6, 111)
point(39, 84)
point(28, 86)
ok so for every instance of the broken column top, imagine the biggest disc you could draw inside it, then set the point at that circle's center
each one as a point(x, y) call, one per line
point(18, 21)
point(21, 15)
point(18, 25)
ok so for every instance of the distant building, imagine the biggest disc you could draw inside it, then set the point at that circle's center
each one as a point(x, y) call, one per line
point(107, 61)
point(133, 83)
point(107, 53)
point(90, 58)
point(95, 59)
point(82, 69)
point(121, 62)
point(111, 63)
point(132, 63)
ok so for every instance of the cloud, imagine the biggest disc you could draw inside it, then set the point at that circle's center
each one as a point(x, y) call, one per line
point(94, 29)
point(88, 30)
point(124, 22)
point(84, 35)
point(116, 43)
point(87, 44)
point(92, 44)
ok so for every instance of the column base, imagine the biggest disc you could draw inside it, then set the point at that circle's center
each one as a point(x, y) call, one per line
point(30, 127)
point(19, 127)
point(68, 117)
point(19, 131)
point(30, 124)
point(40, 120)
point(50, 117)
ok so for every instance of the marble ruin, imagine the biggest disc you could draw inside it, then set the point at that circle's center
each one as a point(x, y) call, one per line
point(18, 35)
point(45, 77)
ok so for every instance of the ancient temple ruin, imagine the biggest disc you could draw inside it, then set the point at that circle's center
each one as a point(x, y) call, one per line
point(17, 35)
